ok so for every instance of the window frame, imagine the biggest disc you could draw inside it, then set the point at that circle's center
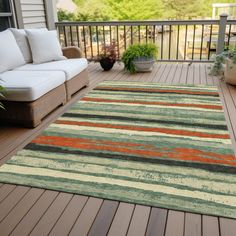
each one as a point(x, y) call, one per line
point(10, 15)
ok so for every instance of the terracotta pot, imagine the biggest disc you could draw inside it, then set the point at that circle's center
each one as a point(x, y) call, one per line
point(106, 64)
point(230, 72)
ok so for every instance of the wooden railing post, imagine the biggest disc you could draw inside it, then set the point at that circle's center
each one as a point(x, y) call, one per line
point(221, 34)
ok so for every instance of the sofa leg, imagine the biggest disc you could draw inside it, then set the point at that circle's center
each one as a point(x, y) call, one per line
point(33, 123)
point(63, 102)
point(69, 96)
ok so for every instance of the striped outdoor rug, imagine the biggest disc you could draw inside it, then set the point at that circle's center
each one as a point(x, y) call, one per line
point(160, 145)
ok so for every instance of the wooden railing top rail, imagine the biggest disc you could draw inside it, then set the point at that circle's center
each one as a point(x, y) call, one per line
point(231, 21)
point(139, 23)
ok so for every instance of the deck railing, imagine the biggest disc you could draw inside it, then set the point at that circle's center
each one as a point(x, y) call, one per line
point(188, 40)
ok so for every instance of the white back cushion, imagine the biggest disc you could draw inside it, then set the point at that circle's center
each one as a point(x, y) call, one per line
point(45, 46)
point(10, 54)
point(23, 43)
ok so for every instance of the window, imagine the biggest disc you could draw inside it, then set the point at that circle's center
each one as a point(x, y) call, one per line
point(6, 14)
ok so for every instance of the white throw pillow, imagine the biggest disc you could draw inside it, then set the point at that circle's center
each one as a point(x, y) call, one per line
point(10, 54)
point(45, 46)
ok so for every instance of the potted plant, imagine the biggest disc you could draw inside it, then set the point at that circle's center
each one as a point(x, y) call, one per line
point(229, 70)
point(140, 57)
point(108, 56)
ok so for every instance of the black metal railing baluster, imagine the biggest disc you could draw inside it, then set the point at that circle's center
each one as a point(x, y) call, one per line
point(202, 37)
point(124, 37)
point(146, 33)
point(118, 45)
point(139, 34)
point(185, 41)
point(177, 44)
point(104, 36)
point(162, 38)
point(170, 31)
point(193, 45)
point(110, 34)
point(229, 35)
point(131, 35)
point(71, 37)
point(60, 33)
point(154, 34)
point(84, 38)
point(91, 41)
point(78, 35)
point(209, 43)
point(97, 39)
point(65, 36)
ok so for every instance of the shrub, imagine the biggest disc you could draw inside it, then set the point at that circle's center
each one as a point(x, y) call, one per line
point(217, 67)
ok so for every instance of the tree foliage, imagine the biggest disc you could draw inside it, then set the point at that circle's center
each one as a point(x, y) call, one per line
point(183, 9)
point(65, 16)
point(135, 9)
point(100, 10)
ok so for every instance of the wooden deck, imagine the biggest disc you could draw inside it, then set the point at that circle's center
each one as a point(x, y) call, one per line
point(32, 211)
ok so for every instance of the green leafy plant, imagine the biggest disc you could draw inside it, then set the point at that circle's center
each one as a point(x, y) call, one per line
point(217, 68)
point(138, 51)
point(1, 95)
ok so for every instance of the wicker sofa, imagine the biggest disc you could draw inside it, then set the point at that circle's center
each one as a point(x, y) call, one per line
point(34, 91)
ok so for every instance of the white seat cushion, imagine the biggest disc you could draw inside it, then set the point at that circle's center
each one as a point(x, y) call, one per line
point(27, 86)
point(71, 67)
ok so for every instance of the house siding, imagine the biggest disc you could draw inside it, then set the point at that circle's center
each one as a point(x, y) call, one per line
point(33, 13)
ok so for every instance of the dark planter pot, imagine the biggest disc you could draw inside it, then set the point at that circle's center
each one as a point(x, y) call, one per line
point(106, 64)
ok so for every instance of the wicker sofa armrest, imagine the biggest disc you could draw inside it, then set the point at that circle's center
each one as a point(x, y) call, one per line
point(72, 52)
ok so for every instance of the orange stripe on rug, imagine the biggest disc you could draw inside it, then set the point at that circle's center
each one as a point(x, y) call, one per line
point(185, 154)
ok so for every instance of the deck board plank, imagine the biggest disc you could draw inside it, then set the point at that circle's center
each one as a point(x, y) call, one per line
point(87, 217)
point(35, 213)
point(193, 224)
point(11, 201)
point(196, 74)
point(48, 220)
point(121, 220)
point(165, 73)
point(227, 227)
point(157, 222)
point(159, 73)
point(5, 190)
point(104, 218)
point(139, 221)
point(184, 74)
point(19, 211)
point(69, 216)
point(210, 226)
point(177, 75)
point(175, 223)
